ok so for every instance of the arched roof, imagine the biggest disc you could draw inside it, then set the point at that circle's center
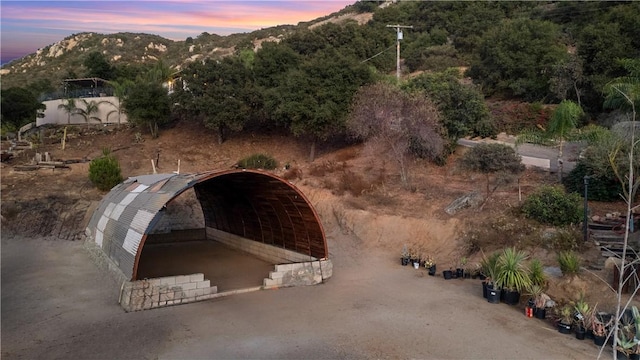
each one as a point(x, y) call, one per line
point(253, 204)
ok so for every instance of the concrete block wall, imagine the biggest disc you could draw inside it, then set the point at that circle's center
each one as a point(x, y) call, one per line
point(299, 274)
point(165, 291)
point(266, 252)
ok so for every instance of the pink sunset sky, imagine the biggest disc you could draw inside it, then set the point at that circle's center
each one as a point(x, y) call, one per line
point(29, 25)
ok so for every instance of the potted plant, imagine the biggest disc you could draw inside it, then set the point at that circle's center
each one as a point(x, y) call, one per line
point(430, 265)
point(626, 336)
point(405, 256)
point(415, 257)
point(490, 266)
point(460, 269)
point(565, 318)
point(582, 313)
point(512, 274)
point(539, 299)
point(599, 325)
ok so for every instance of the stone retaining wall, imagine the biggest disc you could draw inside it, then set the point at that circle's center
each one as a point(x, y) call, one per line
point(299, 274)
point(165, 291)
point(270, 253)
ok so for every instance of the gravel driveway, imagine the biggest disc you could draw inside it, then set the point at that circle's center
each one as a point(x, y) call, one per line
point(56, 304)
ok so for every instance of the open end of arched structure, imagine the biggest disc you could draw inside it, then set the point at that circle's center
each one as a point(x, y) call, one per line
point(250, 205)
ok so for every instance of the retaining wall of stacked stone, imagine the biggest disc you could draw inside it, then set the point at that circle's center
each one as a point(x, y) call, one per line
point(165, 291)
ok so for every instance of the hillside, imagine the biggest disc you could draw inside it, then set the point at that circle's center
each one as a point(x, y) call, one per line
point(58, 61)
point(355, 192)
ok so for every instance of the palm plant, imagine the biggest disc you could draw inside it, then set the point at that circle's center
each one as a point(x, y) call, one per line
point(69, 106)
point(90, 108)
point(512, 273)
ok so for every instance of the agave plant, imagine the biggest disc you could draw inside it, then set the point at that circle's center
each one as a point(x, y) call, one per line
point(512, 273)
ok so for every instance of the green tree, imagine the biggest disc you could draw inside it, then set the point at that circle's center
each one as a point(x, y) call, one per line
point(498, 160)
point(624, 92)
point(19, 106)
point(464, 111)
point(148, 104)
point(563, 122)
point(88, 110)
point(98, 66)
point(121, 88)
point(516, 58)
point(219, 93)
point(70, 107)
point(313, 101)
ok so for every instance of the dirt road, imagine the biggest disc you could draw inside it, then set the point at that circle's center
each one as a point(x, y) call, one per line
point(57, 304)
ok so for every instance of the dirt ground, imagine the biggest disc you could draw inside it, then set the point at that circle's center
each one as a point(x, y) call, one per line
point(57, 304)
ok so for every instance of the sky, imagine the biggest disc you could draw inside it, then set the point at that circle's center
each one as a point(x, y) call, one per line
point(26, 26)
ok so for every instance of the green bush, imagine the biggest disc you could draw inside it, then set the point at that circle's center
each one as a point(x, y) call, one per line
point(569, 262)
point(552, 205)
point(104, 172)
point(258, 161)
point(536, 273)
point(600, 187)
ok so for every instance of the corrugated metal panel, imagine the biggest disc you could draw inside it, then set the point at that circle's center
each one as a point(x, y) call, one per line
point(141, 221)
point(132, 241)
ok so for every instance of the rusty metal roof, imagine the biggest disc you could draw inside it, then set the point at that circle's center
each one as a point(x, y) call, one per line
point(250, 203)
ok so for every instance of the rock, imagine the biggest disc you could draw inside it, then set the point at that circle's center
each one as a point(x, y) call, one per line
point(469, 200)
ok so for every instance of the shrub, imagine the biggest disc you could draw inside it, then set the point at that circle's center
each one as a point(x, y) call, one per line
point(600, 188)
point(104, 172)
point(536, 273)
point(569, 262)
point(258, 161)
point(552, 205)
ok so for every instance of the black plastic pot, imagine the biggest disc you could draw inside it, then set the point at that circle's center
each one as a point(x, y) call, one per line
point(511, 297)
point(540, 313)
point(589, 334)
point(493, 296)
point(580, 333)
point(564, 328)
point(459, 273)
point(404, 261)
point(432, 271)
point(447, 274)
point(485, 288)
point(599, 340)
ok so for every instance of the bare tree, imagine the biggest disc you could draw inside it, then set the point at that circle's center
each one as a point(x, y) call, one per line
point(397, 123)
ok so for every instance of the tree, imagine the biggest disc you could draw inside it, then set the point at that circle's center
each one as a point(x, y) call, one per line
point(121, 88)
point(314, 100)
point(464, 111)
point(497, 160)
point(69, 106)
point(148, 105)
point(98, 66)
point(516, 58)
point(19, 106)
point(563, 122)
point(90, 108)
point(397, 124)
point(219, 93)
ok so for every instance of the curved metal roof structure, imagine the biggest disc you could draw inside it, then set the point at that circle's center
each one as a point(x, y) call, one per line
point(253, 204)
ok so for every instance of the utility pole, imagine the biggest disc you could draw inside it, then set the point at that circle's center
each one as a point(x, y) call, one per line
point(398, 38)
